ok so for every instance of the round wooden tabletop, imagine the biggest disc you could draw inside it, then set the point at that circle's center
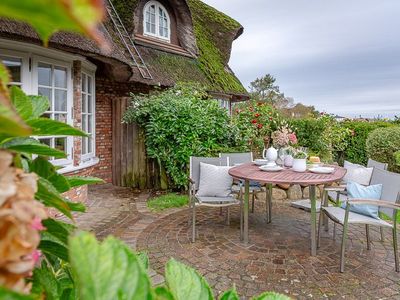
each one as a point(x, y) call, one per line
point(251, 171)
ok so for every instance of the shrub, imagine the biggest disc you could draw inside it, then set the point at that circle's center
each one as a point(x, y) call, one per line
point(383, 145)
point(181, 122)
point(355, 150)
point(255, 121)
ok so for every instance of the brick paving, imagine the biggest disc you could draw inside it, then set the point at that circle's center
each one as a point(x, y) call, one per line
point(277, 257)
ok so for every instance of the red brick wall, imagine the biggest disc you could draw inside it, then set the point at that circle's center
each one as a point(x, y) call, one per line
point(106, 92)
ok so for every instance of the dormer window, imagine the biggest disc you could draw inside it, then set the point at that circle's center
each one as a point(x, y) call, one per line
point(156, 21)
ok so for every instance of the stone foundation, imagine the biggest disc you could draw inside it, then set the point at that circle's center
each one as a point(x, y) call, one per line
point(290, 192)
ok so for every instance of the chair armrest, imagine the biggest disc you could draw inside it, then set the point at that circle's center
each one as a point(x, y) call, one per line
point(381, 203)
point(335, 188)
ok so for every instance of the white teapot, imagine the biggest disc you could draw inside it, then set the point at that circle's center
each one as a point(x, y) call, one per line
point(270, 154)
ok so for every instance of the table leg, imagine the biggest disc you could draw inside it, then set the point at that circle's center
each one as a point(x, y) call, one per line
point(313, 220)
point(269, 187)
point(246, 212)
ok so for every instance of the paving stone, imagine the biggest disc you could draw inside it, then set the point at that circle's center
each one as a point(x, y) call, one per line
point(277, 258)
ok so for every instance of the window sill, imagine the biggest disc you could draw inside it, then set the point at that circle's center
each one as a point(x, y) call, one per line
point(83, 165)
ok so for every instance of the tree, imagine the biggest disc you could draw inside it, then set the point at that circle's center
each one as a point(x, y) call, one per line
point(264, 90)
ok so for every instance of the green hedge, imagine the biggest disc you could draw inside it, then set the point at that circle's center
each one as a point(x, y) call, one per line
point(383, 145)
point(355, 151)
point(309, 134)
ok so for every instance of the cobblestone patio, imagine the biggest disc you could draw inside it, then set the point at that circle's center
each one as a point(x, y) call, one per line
point(277, 257)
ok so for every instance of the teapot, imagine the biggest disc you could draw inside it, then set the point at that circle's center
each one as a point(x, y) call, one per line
point(270, 154)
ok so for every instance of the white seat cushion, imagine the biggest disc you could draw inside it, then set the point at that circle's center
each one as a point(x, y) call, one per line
point(216, 200)
point(305, 204)
point(337, 214)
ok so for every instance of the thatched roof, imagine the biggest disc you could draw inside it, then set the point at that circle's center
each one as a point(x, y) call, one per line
point(214, 33)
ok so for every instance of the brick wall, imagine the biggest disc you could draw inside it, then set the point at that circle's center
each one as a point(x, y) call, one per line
point(106, 92)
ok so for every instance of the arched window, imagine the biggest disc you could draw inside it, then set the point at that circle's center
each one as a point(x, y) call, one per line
point(156, 21)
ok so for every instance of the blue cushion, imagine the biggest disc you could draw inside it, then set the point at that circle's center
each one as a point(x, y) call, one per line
point(356, 190)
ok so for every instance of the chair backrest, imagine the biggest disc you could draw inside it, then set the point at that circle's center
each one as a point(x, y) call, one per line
point(390, 186)
point(376, 164)
point(238, 158)
point(194, 168)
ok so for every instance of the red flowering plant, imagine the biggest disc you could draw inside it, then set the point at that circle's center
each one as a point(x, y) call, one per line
point(256, 122)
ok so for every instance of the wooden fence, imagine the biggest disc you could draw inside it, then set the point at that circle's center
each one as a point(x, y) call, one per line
point(131, 167)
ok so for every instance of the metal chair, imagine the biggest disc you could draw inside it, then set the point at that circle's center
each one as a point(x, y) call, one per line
point(338, 194)
point(389, 204)
point(195, 201)
point(241, 158)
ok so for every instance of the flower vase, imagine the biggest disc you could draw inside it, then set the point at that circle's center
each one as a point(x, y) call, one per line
point(288, 161)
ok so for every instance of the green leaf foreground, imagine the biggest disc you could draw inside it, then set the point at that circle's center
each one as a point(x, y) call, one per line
point(10, 295)
point(45, 127)
point(185, 282)
point(75, 181)
point(78, 16)
point(31, 146)
point(230, 295)
point(107, 270)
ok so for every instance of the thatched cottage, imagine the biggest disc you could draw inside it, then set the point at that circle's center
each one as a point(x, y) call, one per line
point(165, 41)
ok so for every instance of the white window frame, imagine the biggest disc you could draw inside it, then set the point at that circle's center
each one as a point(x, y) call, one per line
point(157, 35)
point(92, 154)
point(36, 59)
point(30, 54)
point(25, 80)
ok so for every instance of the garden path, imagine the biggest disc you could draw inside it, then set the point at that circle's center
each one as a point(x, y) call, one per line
point(277, 257)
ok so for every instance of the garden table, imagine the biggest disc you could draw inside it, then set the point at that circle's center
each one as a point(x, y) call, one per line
point(250, 171)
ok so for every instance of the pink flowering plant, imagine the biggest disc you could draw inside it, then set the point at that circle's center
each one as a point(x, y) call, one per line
point(284, 137)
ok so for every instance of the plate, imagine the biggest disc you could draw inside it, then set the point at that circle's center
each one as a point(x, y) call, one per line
point(260, 162)
point(271, 169)
point(322, 170)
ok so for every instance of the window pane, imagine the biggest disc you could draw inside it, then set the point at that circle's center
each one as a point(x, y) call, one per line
point(90, 144)
point(84, 123)
point(14, 67)
point(60, 117)
point(48, 116)
point(44, 74)
point(153, 28)
point(89, 81)
point(84, 145)
point(83, 83)
point(60, 144)
point(153, 10)
point(60, 77)
point(60, 100)
point(46, 92)
point(90, 104)
point(90, 119)
point(46, 142)
point(84, 103)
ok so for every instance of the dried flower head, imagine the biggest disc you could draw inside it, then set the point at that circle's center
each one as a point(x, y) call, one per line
point(20, 223)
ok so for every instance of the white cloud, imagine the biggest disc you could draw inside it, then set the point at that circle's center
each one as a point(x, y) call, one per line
point(322, 52)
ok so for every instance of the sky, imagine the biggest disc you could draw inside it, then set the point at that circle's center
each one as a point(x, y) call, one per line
point(341, 56)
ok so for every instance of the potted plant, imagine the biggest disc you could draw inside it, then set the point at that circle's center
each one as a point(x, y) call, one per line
point(300, 161)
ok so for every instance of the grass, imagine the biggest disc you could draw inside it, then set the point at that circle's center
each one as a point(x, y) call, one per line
point(166, 201)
